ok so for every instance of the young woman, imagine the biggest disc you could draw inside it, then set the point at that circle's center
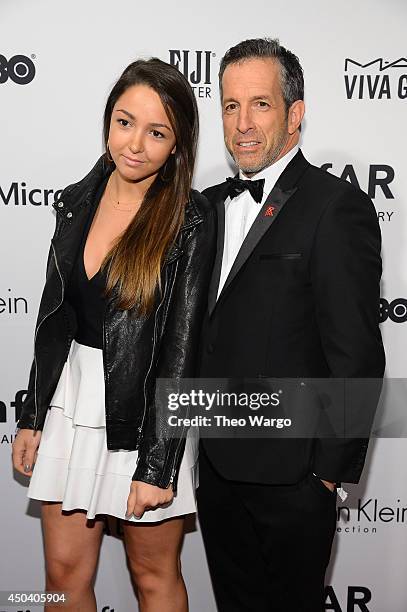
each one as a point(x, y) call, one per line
point(126, 289)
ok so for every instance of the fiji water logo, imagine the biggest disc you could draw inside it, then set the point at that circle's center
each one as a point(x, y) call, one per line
point(196, 66)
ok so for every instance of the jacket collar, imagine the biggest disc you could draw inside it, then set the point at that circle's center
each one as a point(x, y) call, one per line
point(80, 194)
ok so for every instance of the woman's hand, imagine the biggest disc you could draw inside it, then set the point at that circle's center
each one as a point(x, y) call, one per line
point(24, 450)
point(145, 496)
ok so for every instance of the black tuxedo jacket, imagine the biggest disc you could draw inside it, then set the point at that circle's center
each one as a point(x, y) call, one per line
point(301, 300)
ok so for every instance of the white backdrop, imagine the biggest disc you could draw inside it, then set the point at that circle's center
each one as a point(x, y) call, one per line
point(50, 126)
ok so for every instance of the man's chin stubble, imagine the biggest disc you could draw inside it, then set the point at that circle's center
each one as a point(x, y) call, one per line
point(255, 168)
point(262, 163)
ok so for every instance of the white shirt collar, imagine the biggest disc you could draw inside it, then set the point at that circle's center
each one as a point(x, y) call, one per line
point(271, 173)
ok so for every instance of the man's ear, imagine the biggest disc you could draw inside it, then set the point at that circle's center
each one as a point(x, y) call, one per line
point(295, 115)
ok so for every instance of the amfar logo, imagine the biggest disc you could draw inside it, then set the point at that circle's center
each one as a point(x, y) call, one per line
point(356, 600)
point(18, 194)
point(20, 69)
point(17, 404)
point(396, 310)
point(379, 178)
point(376, 79)
point(196, 67)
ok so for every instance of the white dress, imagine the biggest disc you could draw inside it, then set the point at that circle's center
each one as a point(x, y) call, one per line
point(74, 465)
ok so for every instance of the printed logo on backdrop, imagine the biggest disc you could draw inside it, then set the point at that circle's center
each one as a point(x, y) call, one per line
point(357, 598)
point(196, 66)
point(371, 515)
point(19, 69)
point(376, 184)
point(13, 305)
point(16, 406)
point(376, 79)
point(17, 193)
point(395, 311)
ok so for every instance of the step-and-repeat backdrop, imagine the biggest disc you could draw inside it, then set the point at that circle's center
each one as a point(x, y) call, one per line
point(58, 61)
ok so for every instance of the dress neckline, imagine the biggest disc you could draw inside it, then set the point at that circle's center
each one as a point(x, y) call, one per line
point(89, 280)
point(86, 234)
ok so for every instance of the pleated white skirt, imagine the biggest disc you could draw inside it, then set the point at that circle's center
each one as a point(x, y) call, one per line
point(75, 467)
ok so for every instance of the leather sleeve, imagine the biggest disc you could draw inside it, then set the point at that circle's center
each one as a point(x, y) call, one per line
point(160, 455)
point(345, 271)
point(27, 416)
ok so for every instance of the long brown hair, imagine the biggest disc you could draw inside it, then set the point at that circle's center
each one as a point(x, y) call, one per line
point(135, 260)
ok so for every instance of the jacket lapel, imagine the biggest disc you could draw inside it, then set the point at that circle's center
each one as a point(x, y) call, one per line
point(276, 200)
point(73, 209)
point(266, 217)
point(214, 284)
point(67, 244)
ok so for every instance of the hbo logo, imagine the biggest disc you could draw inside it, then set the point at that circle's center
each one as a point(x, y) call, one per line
point(19, 69)
point(396, 310)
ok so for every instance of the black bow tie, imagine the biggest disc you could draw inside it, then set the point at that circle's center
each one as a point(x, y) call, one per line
point(236, 186)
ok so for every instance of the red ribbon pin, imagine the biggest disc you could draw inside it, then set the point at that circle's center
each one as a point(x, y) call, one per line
point(269, 211)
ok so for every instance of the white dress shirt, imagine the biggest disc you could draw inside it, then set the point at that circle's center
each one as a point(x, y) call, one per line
point(241, 212)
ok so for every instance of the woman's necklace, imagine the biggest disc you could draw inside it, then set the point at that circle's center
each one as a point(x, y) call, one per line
point(116, 203)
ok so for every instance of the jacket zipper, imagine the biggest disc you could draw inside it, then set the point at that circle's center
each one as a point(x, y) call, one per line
point(152, 358)
point(172, 474)
point(176, 458)
point(36, 333)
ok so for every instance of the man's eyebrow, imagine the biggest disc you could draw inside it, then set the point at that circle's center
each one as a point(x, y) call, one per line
point(160, 125)
point(252, 99)
point(261, 97)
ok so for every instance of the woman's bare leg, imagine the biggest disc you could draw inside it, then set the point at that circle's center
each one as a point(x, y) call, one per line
point(72, 545)
point(154, 551)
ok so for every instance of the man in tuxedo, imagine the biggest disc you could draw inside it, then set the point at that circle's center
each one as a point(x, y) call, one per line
point(294, 294)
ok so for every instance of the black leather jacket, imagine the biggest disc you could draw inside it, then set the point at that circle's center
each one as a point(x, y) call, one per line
point(136, 350)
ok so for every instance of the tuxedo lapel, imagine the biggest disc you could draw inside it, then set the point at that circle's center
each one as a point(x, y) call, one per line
point(214, 284)
point(276, 200)
point(266, 217)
